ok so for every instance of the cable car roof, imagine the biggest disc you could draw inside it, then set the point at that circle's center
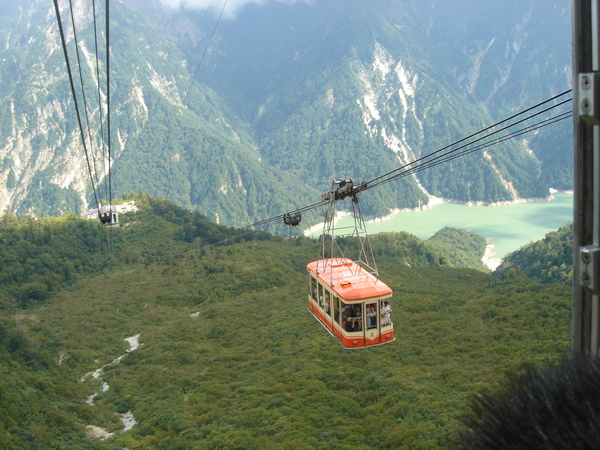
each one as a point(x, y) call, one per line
point(348, 280)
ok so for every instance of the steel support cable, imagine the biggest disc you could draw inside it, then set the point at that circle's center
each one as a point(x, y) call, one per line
point(214, 244)
point(108, 107)
point(280, 216)
point(204, 53)
point(85, 105)
point(371, 184)
point(66, 53)
point(496, 141)
point(93, 158)
point(102, 140)
point(450, 157)
point(249, 229)
point(477, 132)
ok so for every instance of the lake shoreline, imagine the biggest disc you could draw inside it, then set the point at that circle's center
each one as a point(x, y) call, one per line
point(507, 226)
point(433, 201)
point(489, 256)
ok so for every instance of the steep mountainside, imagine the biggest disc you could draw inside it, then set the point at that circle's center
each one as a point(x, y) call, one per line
point(384, 83)
point(287, 97)
point(199, 155)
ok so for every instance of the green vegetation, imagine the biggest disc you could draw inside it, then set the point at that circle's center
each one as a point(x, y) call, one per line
point(447, 248)
point(39, 256)
point(465, 247)
point(230, 358)
point(549, 260)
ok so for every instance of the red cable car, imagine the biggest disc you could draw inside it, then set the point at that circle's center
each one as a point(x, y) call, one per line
point(346, 296)
point(351, 303)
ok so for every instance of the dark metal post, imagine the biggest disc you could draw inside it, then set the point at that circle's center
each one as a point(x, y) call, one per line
point(586, 128)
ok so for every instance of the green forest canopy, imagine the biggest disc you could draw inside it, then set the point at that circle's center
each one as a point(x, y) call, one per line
point(230, 357)
point(549, 260)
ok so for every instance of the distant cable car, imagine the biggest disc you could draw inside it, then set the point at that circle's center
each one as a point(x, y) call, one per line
point(108, 215)
point(292, 220)
point(346, 296)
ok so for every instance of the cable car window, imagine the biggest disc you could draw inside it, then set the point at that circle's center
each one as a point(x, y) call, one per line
point(358, 317)
point(371, 315)
point(386, 313)
point(346, 314)
point(313, 289)
point(346, 311)
point(336, 309)
point(320, 296)
point(327, 303)
point(352, 317)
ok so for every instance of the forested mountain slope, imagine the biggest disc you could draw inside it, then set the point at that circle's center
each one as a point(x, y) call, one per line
point(285, 98)
point(198, 155)
point(549, 260)
point(228, 356)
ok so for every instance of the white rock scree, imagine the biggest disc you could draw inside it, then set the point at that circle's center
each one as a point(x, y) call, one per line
point(128, 420)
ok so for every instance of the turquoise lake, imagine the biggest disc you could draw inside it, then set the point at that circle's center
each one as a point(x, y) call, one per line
point(509, 226)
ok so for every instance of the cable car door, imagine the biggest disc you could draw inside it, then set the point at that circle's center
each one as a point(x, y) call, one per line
point(372, 324)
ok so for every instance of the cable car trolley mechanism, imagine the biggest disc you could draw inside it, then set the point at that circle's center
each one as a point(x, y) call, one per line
point(292, 220)
point(346, 295)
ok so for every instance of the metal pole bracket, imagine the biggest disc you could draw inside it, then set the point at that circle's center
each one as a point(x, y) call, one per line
point(589, 97)
point(588, 268)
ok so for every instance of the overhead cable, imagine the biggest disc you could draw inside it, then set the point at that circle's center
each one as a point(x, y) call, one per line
point(102, 139)
point(83, 96)
point(450, 156)
point(409, 168)
point(108, 137)
point(482, 131)
point(205, 51)
point(371, 183)
point(64, 46)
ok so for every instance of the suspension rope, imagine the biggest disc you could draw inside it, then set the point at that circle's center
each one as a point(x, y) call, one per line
point(449, 157)
point(249, 229)
point(102, 139)
point(370, 184)
point(64, 46)
point(480, 131)
point(205, 51)
point(85, 105)
point(409, 168)
point(108, 105)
